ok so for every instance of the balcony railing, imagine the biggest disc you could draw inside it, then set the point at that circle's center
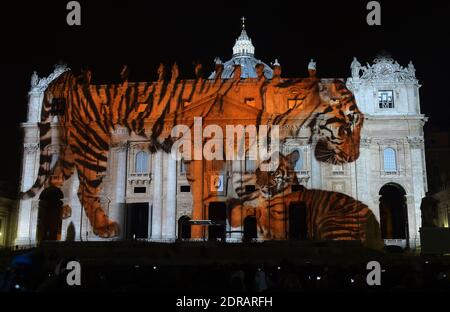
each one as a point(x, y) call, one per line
point(139, 175)
point(139, 178)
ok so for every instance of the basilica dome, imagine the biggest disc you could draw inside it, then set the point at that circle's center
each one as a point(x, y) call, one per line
point(244, 55)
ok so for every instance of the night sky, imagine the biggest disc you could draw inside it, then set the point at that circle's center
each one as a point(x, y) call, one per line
point(34, 36)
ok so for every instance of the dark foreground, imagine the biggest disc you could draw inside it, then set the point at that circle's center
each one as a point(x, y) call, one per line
point(219, 268)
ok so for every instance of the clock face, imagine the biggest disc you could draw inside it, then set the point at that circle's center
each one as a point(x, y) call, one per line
point(385, 70)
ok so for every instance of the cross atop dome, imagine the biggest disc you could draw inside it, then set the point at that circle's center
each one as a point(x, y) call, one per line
point(243, 55)
point(243, 45)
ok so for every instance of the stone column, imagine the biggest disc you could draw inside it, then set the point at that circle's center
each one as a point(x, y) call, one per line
point(362, 173)
point(78, 214)
point(34, 105)
point(375, 207)
point(235, 178)
point(413, 225)
point(30, 164)
point(169, 212)
point(316, 170)
point(157, 196)
point(117, 211)
point(418, 172)
point(196, 173)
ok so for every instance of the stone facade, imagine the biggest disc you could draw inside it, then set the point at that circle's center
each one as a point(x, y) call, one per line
point(387, 94)
point(398, 126)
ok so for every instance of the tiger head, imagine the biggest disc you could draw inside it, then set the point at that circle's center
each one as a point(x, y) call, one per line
point(268, 207)
point(337, 128)
point(271, 183)
point(56, 95)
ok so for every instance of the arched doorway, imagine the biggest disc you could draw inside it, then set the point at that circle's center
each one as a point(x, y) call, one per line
point(393, 212)
point(50, 214)
point(250, 229)
point(217, 213)
point(298, 227)
point(137, 220)
point(184, 227)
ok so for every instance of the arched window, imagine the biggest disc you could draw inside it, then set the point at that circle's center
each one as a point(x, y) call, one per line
point(141, 163)
point(299, 163)
point(390, 163)
point(182, 166)
point(250, 164)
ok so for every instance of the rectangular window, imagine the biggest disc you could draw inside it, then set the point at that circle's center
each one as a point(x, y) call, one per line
point(185, 188)
point(385, 99)
point(250, 164)
point(390, 161)
point(299, 163)
point(140, 190)
point(338, 169)
point(141, 162)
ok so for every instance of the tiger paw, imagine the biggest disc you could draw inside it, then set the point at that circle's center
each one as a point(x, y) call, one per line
point(66, 211)
point(110, 230)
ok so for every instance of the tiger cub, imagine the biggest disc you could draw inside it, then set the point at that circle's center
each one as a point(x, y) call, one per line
point(329, 215)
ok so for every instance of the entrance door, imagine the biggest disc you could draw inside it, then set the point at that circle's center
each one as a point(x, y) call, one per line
point(217, 213)
point(298, 226)
point(50, 214)
point(250, 228)
point(393, 212)
point(137, 220)
point(184, 228)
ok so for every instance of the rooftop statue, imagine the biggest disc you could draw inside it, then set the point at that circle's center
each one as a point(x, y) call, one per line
point(276, 68)
point(355, 67)
point(124, 73)
point(411, 69)
point(175, 72)
point(34, 80)
point(312, 65)
point(198, 70)
point(259, 70)
point(312, 68)
point(161, 72)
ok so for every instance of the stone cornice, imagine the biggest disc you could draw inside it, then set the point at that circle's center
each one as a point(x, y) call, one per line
point(30, 148)
point(415, 141)
point(421, 117)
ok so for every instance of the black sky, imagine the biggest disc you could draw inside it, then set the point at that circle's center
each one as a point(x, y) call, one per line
point(34, 36)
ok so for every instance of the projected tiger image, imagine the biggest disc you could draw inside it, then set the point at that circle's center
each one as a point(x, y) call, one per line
point(327, 215)
point(89, 123)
